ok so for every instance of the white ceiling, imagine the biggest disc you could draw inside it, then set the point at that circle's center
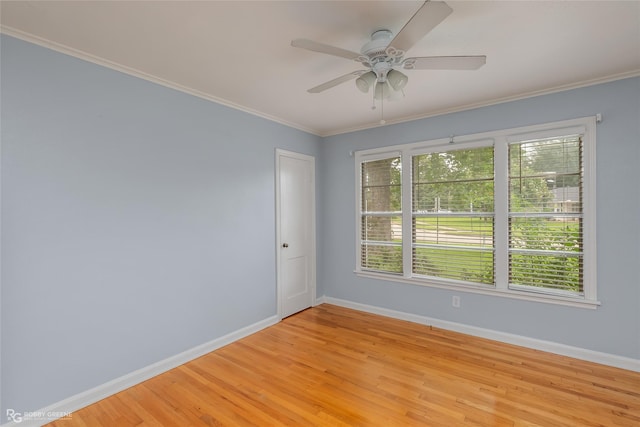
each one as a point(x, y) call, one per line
point(238, 52)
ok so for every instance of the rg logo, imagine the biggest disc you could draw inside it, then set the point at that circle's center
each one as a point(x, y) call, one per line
point(14, 416)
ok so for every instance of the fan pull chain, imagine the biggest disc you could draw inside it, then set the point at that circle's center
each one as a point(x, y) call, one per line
point(382, 121)
point(373, 98)
point(373, 105)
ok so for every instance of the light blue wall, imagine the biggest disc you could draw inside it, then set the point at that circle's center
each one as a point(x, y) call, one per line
point(614, 327)
point(129, 211)
point(137, 223)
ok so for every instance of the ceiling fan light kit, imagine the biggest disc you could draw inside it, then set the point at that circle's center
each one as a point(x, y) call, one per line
point(384, 53)
point(397, 80)
point(365, 81)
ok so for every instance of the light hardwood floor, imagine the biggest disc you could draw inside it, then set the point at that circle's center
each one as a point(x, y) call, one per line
point(338, 367)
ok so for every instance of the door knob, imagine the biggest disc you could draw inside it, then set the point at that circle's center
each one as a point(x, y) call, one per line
point(285, 245)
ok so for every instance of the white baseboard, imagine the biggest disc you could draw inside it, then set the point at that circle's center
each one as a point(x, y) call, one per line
point(95, 394)
point(548, 346)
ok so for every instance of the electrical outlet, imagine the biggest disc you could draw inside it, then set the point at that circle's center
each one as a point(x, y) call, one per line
point(455, 301)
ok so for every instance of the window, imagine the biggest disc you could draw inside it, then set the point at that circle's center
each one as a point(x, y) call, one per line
point(452, 215)
point(381, 217)
point(508, 212)
point(545, 214)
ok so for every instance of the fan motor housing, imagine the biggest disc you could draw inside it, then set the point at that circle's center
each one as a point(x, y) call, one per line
point(378, 44)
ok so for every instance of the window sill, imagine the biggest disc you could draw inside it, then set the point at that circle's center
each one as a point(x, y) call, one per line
point(488, 290)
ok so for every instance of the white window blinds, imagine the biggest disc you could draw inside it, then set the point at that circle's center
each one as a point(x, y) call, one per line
point(381, 215)
point(546, 214)
point(453, 220)
point(508, 212)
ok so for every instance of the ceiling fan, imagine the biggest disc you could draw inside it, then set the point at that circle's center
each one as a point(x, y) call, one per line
point(383, 54)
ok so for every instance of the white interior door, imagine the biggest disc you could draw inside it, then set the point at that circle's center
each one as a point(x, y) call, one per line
point(295, 224)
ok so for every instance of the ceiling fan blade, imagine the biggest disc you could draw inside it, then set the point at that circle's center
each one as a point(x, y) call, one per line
point(430, 14)
point(336, 81)
point(324, 48)
point(445, 63)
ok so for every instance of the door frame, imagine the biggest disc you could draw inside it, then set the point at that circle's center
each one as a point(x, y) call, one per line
point(312, 249)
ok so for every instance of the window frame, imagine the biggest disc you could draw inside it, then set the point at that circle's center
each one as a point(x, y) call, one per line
point(362, 213)
point(501, 139)
point(471, 144)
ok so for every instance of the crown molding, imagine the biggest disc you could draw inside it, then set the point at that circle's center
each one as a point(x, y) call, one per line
point(495, 101)
point(61, 48)
point(58, 47)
